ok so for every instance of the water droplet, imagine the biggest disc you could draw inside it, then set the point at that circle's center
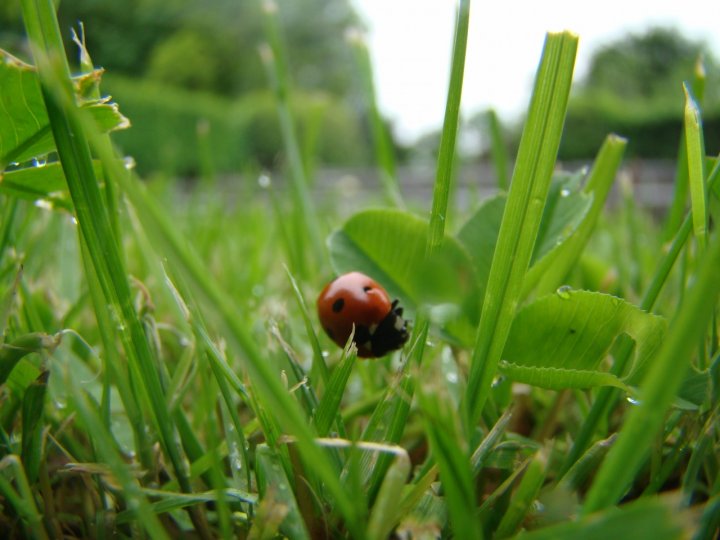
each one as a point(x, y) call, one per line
point(632, 401)
point(129, 163)
point(564, 292)
point(264, 181)
point(44, 204)
point(452, 377)
point(564, 192)
point(39, 162)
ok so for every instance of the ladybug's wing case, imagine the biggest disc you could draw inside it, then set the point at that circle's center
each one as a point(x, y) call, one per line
point(355, 299)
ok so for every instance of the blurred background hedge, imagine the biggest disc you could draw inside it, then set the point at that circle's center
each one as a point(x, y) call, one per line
point(189, 77)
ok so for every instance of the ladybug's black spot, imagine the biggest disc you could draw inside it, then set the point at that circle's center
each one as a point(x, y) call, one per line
point(366, 288)
point(338, 305)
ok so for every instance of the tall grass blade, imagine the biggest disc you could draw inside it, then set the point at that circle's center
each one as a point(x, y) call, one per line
point(659, 386)
point(95, 225)
point(498, 150)
point(307, 223)
point(446, 155)
point(696, 161)
point(523, 212)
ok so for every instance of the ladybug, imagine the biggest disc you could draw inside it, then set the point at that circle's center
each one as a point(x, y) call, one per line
point(356, 299)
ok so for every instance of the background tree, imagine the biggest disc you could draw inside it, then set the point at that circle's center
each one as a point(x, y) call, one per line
point(634, 88)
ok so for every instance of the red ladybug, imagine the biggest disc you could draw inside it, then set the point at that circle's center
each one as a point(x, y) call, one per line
point(355, 298)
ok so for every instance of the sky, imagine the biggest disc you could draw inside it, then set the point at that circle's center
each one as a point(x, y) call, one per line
point(410, 42)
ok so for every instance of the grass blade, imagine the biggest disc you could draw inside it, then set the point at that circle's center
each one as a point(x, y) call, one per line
point(526, 493)
point(659, 387)
point(329, 406)
point(442, 426)
point(446, 156)
point(696, 176)
point(599, 183)
point(74, 152)
point(523, 212)
point(304, 210)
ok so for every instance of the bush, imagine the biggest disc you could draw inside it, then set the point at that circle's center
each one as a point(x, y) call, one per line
point(243, 132)
point(653, 130)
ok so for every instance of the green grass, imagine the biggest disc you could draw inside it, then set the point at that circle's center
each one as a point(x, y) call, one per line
point(162, 370)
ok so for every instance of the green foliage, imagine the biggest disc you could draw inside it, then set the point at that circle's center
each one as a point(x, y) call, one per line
point(633, 88)
point(191, 395)
point(241, 133)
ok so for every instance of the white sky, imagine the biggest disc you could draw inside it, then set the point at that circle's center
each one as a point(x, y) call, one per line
point(410, 44)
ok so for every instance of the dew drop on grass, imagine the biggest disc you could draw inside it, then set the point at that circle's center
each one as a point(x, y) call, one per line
point(39, 162)
point(129, 163)
point(564, 292)
point(632, 401)
point(264, 181)
point(44, 204)
point(564, 192)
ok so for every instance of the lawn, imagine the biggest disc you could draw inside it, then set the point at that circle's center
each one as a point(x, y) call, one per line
point(164, 373)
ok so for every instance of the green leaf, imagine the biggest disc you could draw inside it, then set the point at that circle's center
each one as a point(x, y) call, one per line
point(559, 379)
point(24, 125)
point(560, 340)
point(389, 246)
point(40, 183)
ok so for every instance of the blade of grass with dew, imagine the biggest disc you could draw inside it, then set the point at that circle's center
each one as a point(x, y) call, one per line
point(113, 372)
point(446, 155)
point(95, 225)
point(599, 183)
point(523, 212)
point(607, 396)
point(659, 386)
point(384, 153)
point(274, 59)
